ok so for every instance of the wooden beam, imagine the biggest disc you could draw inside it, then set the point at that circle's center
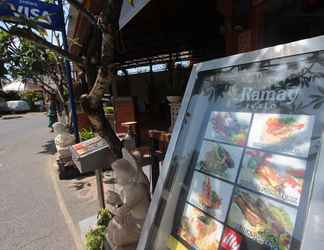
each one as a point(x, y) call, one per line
point(256, 23)
point(230, 35)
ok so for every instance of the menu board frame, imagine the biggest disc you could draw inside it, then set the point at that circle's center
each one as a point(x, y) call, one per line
point(281, 51)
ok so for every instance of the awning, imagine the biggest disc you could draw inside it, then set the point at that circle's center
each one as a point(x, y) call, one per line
point(129, 9)
point(150, 29)
point(19, 86)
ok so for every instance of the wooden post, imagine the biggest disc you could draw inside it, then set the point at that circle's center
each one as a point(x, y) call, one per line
point(256, 23)
point(230, 36)
point(100, 190)
point(252, 37)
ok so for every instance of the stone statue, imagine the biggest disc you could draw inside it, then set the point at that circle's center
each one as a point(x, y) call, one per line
point(129, 206)
point(62, 141)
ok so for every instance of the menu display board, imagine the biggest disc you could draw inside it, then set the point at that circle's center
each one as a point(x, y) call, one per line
point(261, 201)
point(228, 127)
point(281, 177)
point(219, 159)
point(211, 195)
point(200, 230)
point(242, 167)
point(263, 220)
point(289, 134)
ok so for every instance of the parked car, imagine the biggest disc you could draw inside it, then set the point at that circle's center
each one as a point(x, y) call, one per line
point(18, 106)
point(3, 106)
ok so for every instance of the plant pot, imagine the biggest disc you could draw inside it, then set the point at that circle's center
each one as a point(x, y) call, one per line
point(174, 99)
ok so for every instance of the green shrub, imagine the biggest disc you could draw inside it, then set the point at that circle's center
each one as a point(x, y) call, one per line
point(30, 97)
point(104, 217)
point(109, 110)
point(10, 96)
point(95, 237)
point(86, 134)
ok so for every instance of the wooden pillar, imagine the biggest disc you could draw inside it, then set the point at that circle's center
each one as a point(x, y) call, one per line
point(256, 23)
point(230, 35)
point(252, 37)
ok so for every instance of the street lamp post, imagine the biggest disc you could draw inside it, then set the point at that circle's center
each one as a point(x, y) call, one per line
point(69, 79)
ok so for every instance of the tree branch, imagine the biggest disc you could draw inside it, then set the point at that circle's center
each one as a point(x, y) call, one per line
point(85, 13)
point(27, 34)
point(37, 78)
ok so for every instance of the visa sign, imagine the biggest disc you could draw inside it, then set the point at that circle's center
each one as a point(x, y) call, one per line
point(48, 15)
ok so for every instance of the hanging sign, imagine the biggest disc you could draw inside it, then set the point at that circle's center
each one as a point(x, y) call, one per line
point(46, 15)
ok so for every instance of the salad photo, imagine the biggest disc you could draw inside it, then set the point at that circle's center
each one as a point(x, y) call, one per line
point(199, 230)
point(279, 176)
point(210, 194)
point(219, 159)
point(290, 134)
point(267, 222)
point(229, 127)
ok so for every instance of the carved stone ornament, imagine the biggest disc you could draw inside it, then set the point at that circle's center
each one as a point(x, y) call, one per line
point(129, 206)
point(62, 141)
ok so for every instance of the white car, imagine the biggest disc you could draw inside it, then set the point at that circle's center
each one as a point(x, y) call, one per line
point(3, 106)
point(18, 106)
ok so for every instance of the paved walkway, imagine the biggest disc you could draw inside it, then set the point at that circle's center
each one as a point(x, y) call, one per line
point(30, 217)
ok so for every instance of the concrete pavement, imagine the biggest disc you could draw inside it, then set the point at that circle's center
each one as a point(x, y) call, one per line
point(30, 217)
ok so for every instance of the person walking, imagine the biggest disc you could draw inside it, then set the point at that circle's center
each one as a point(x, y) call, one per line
point(52, 112)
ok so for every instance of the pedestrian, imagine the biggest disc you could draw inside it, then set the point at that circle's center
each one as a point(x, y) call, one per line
point(52, 111)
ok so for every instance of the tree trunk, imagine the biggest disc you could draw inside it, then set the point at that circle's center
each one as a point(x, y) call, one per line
point(91, 103)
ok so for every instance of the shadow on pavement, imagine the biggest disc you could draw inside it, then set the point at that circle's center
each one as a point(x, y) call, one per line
point(84, 187)
point(48, 148)
point(11, 117)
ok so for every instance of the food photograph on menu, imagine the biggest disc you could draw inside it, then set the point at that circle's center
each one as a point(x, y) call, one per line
point(219, 159)
point(199, 230)
point(263, 220)
point(231, 127)
point(210, 194)
point(279, 176)
point(289, 134)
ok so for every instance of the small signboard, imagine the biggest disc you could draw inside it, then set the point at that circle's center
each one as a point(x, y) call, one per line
point(44, 14)
point(91, 154)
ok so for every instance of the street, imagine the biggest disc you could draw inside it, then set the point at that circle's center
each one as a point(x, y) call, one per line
point(30, 217)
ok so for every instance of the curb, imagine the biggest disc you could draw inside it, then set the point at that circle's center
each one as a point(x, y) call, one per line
point(10, 117)
point(67, 217)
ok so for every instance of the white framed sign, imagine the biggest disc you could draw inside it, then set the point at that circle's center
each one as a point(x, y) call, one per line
point(242, 168)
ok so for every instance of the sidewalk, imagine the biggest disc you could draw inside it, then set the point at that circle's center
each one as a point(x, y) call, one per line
point(78, 198)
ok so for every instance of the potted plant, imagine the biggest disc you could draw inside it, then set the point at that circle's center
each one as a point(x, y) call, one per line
point(86, 134)
point(95, 237)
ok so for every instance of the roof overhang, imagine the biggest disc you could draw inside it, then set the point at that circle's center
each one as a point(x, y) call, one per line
point(129, 9)
point(161, 27)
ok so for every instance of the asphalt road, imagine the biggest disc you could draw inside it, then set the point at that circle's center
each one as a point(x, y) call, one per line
point(30, 217)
